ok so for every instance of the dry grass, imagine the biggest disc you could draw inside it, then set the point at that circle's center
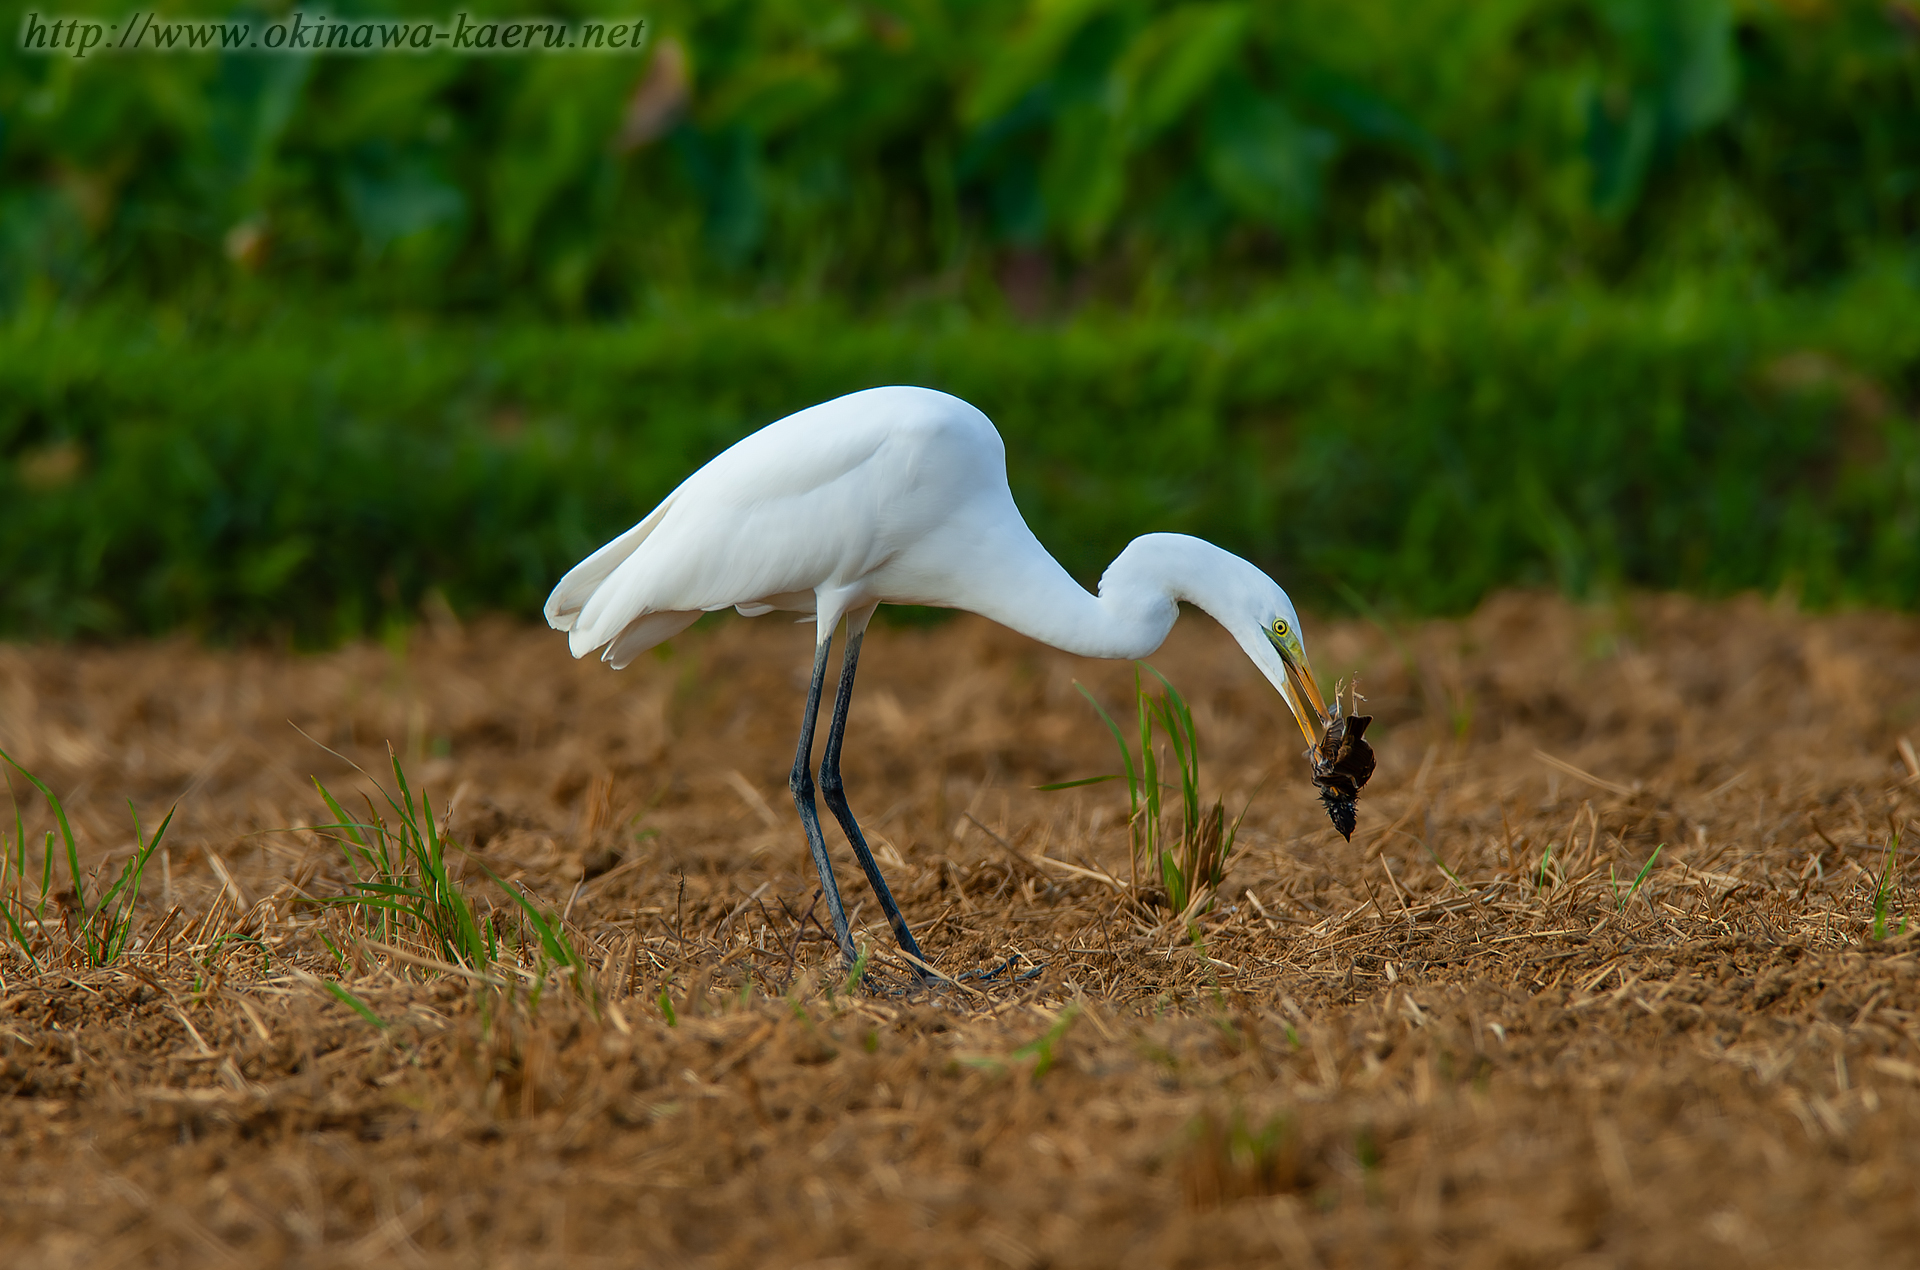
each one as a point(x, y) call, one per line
point(1464, 1039)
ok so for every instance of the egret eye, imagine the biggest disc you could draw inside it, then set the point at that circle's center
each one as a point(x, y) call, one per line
point(1280, 627)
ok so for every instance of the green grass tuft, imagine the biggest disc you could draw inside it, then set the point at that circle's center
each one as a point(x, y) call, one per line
point(400, 882)
point(1620, 901)
point(1182, 845)
point(99, 925)
point(402, 889)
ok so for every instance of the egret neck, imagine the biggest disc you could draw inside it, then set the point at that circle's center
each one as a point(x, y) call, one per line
point(1139, 599)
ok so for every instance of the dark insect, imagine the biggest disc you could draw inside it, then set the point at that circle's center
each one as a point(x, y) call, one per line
point(1342, 762)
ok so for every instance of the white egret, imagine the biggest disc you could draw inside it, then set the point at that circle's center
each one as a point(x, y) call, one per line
point(898, 496)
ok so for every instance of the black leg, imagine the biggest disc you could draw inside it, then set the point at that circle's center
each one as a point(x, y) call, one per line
point(801, 783)
point(835, 795)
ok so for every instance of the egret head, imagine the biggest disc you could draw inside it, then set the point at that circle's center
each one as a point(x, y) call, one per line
point(1156, 568)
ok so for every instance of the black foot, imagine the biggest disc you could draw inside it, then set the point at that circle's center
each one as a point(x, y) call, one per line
point(890, 983)
point(990, 976)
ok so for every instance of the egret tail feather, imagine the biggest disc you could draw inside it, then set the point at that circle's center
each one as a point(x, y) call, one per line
point(643, 633)
point(575, 589)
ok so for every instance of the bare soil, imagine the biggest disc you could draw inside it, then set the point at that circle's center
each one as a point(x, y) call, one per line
point(1463, 1039)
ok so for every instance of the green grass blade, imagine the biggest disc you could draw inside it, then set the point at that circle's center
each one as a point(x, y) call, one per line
point(857, 971)
point(19, 880)
point(553, 940)
point(398, 890)
point(1641, 877)
point(1151, 787)
point(1442, 866)
point(19, 833)
point(355, 1004)
point(435, 857)
point(1179, 724)
point(46, 877)
point(341, 820)
point(1149, 763)
point(1169, 718)
point(117, 904)
point(1143, 718)
point(66, 834)
point(469, 946)
point(1126, 755)
point(404, 808)
point(382, 838)
point(126, 890)
point(20, 937)
point(335, 950)
point(401, 872)
point(1041, 1048)
point(454, 920)
point(1084, 780)
point(1883, 892)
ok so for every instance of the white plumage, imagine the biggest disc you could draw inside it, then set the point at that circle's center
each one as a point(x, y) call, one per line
point(898, 496)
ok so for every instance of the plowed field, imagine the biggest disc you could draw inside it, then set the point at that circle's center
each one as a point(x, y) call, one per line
point(1485, 1032)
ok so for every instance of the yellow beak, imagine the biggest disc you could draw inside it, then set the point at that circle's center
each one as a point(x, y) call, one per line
point(1302, 695)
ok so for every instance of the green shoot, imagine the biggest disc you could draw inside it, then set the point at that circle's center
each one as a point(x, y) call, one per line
point(1452, 877)
point(355, 1004)
point(1883, 892)
point(857, 971)
point(335, 950)
point(213, 950)
point(102, 926)
point(1040, 1049)
point(1198, 939)
point(1639, 879)
point(1084, 780)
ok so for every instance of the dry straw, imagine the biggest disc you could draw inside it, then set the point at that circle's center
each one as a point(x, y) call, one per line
point(1670, 998)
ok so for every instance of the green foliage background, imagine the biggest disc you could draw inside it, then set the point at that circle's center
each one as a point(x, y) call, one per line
point(1146, 151)
point(312, 479)
point(1408, 299)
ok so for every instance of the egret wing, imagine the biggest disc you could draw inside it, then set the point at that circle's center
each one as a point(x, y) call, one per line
point(812, 504)
point(774, 515)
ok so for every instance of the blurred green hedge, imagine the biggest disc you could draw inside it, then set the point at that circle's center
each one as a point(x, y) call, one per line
point(314, 479)
point(1143, 151)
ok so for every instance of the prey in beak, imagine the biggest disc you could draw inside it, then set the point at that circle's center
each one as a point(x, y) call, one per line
point(1342, 762)
point(1341, 758)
